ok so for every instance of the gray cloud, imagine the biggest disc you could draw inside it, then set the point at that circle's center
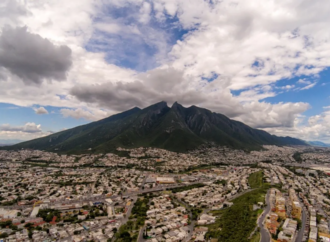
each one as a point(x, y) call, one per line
point(11, 11)
point(32, 57)
point(27, 128)
point(151, 87)
point(170, 85)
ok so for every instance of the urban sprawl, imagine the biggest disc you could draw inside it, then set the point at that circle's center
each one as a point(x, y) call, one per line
point(148, 194)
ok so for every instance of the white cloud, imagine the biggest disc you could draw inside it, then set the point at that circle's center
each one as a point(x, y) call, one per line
point(287, 87)
point(230, 38)
point(26, 132)
point(316, 128)
point(27, 128)
point(40, 110)
point(304, 81)
point(250, 45)
point(111, 28)
point(308, 86)
point(85, 114)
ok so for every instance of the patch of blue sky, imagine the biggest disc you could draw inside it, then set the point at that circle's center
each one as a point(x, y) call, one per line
point(291, 90)
point(211, 78)
point(53, 121)
point(317, 96)
point(132, 50)
point(172, 27)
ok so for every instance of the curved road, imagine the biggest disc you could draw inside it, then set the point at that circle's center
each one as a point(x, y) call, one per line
point(265, 237)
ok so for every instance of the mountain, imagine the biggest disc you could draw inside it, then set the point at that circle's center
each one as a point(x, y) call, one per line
point(318, 144)
point(176, 129)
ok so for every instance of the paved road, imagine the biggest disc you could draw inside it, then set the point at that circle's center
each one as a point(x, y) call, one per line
point(265, 237)
point(303, 224)
point(240, 194)
point(191, 226)
point(100, 198)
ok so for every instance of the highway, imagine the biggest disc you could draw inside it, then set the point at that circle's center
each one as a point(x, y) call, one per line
point(265, 236)
point(101, 198)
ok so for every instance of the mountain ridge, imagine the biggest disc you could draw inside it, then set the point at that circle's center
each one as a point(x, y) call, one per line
point(318, 144)
point(174, 128)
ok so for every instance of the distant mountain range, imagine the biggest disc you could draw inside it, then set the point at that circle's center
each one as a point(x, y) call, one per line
point(318, 144)
point(6, 142)
point(173, 128)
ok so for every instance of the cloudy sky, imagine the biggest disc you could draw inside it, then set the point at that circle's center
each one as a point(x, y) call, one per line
point(66, 63)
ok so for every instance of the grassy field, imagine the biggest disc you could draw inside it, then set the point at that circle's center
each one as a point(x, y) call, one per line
point(255, 238)
point(236, 223)
point(255, 179)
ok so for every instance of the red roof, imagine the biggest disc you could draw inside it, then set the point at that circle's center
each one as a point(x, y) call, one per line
point(53, 220)
point(4, 220)
point(40, 223)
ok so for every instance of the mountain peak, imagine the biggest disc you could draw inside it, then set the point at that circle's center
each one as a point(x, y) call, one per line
point(161, 104)
point(176, 105)
point(157, 106)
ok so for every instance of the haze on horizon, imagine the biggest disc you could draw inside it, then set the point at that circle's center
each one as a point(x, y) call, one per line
point(67, 63)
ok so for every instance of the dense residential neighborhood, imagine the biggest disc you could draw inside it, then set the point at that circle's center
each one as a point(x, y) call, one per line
point(149, 194)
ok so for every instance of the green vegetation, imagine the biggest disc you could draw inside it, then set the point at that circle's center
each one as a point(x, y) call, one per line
point(255, 237)
point(4, 235)
point(49, 214)
point(139, 211)
point(38, 161)
point(181, 189)
point(299, 223)
point(129, 231)
point(236, 223)
point(223, 182)
point(71, 183)
point(297, 157)
point(293, 169)
point(195, 213)
point(9, 203)
point(318, 218)
point(123, 234)
point(256, 179)
point(8, 224)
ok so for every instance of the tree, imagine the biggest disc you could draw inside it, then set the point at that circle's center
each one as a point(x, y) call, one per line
point(125, 236)
point(3, 235)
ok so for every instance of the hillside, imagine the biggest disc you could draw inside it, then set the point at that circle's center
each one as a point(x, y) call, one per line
point(176, 128)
